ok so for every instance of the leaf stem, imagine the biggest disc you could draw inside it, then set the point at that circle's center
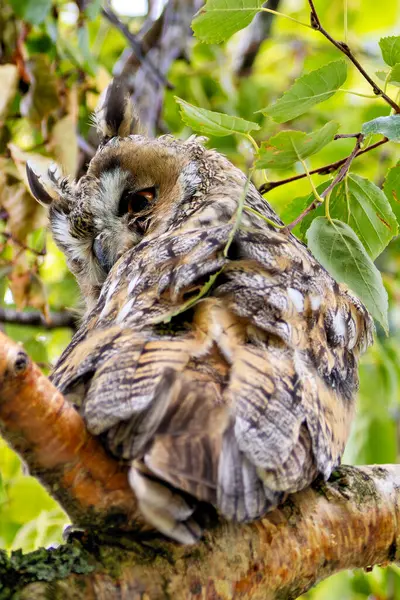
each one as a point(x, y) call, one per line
point(359, 93)
point(325, 170)
point(263, 217)
point(307, 172)
point(252, 141)
point(343, 47)
point(279, 14)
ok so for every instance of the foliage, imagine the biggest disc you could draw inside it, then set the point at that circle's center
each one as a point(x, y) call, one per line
point(284, 117)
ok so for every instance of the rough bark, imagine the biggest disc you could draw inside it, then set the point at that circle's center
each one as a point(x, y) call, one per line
point(349, 522)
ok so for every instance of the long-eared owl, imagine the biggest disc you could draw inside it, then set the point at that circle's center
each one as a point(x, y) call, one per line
point(216, 356)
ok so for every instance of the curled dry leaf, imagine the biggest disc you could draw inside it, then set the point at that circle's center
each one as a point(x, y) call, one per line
point(64, 144)
point(25, 213)
point(8, 87)
point(27, 289)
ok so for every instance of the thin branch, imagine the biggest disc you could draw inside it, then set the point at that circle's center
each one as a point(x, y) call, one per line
point(339, 177)
point(136, 46)
point(56, 319)
point(23, 246)
point(316, 24)
point(325, 170)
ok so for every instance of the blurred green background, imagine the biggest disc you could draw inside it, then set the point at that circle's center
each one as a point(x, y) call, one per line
point(55, 59)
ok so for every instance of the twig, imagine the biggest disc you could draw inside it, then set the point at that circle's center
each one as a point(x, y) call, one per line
point(316, 24)
point(325, 170)
point(56, 319)
point(136, 46)
point(23, 246)
point(339, 177)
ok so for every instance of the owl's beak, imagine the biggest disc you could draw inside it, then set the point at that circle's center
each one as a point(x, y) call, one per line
point(100, 252)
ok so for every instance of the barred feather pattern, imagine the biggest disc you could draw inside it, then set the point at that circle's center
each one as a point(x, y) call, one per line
point(241, 400)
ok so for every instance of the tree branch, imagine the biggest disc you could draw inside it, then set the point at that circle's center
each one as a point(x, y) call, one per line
point(51, 437)
point(316, 24)
point(351, 521)
point(136, 46)
point(325, 170)
point(253, 36)
point(339, 177)
point(57, 319)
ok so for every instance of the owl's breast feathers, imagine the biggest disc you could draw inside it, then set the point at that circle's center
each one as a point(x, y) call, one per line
point(242, 398)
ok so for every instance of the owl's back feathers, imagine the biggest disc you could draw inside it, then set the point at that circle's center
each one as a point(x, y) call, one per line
point(238, 400)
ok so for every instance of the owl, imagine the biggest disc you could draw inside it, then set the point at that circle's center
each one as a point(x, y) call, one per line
point(216, 356)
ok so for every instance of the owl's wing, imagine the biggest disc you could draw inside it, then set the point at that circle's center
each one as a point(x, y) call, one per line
point(252, 395)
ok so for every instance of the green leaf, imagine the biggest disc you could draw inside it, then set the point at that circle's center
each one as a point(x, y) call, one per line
point(213, 123)
point(219, 19)
point(363, 206)
point(394, 78)
point(391, 187)
point(339, 250)
point(307, 91)
point(33, 11)
point(287, 147)
point(394, 75)
point(388, 126)
point(390, 48)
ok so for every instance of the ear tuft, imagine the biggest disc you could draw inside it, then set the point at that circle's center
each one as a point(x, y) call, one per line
point(116, 117)
point(37, 187)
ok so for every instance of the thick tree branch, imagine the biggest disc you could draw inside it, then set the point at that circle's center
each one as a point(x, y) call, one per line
point(51, 437)
point(253, 36)
point(350, 522)
point(57, 319)
point(135, 45)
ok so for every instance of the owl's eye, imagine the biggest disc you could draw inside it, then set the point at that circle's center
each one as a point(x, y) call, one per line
point(136, 202)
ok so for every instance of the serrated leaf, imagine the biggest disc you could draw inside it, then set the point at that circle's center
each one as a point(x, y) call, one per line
point(390, 48)
point(335, 245)
point(8, 86)
point(64, 144)
point(287, 147)
point(363, 206)
point(394, 78)
point(219, 19)
point(391, 188)
point(307, 91)
point(213, 123)
point(387, 126)
point(394, 75)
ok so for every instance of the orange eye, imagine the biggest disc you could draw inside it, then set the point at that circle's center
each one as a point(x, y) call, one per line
point(136, 202)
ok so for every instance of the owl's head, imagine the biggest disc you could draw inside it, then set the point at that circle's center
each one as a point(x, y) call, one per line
point(134, 187)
